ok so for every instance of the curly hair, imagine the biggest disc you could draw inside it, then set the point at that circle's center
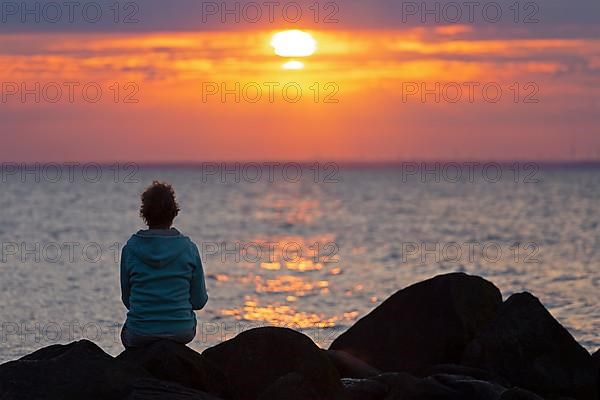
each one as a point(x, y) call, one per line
point(159, 206)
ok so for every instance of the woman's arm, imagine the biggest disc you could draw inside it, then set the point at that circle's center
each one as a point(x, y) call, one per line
point(199, 295)
point(125, 288)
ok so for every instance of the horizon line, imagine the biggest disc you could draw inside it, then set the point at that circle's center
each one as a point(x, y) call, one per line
point(275, 163)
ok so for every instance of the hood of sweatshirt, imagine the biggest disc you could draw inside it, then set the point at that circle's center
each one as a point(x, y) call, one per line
point(157, 248)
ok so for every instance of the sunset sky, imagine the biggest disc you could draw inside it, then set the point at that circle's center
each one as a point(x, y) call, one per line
point(162, 74)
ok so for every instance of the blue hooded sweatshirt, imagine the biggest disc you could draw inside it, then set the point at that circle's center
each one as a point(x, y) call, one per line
point(162, 282)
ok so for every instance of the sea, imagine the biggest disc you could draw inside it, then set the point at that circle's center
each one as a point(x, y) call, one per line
point(311, 246)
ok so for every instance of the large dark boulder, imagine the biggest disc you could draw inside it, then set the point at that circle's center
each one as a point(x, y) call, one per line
point(529, 348)
point(425, 324)
point(80, 370)
point(170, 361)
point(254, 360)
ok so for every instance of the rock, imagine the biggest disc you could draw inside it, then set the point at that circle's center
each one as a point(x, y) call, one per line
point(422, 325)
point(257, 358)
point(519, 394)
point(152, 389)
point(440, 387)
point(364, 389)
point(403, 386)
point(170, 361)
point(349, 366)
point(479, 374)
point(529, 348)
point(80, 370)
point(292, 386)
point(470, 388)
point(596, 358)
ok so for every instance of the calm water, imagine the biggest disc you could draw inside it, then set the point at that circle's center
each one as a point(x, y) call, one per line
point(315, 253)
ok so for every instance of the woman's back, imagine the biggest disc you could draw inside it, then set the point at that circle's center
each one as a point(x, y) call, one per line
point(163, 274)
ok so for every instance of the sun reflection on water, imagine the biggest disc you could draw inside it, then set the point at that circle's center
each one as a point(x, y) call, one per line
point(289, 287)
point(280, 315)
point(288, 284)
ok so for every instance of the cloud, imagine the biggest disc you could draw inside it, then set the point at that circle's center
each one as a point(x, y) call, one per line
point(500, 18)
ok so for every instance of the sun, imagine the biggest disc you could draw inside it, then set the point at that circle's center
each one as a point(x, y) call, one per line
point(294, 43)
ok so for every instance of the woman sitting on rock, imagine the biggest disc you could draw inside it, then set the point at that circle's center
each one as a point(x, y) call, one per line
point(162, 279)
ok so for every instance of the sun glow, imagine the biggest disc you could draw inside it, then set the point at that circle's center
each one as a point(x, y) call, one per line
point(293, 65)
point(294, 43)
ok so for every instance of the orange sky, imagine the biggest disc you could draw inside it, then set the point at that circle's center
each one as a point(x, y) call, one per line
point(362, 97)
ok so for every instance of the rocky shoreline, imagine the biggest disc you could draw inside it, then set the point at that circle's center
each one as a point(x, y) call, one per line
point(449, 337)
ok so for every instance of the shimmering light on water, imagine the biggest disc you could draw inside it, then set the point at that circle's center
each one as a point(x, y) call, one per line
point(280, 315)
point(322, 254)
